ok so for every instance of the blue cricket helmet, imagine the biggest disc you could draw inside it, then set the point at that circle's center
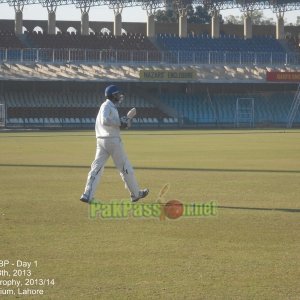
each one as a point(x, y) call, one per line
point(111, 90)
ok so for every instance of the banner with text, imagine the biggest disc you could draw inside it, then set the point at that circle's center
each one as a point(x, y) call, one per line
point(162, 75)
point(283, 76)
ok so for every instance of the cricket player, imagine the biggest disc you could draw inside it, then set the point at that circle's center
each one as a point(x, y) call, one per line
point(109, 143)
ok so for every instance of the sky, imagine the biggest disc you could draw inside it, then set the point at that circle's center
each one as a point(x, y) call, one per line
point(102, 13)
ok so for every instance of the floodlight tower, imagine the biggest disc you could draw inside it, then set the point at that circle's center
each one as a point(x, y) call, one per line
point(118, 6)
point(215, 22)
point(248, 23)
point(280, 24)
point(279, 8)
point(150, 6)
point(51, 6)
point(18, 6)
point(214, 8)
point(247, 7)
point(84, 6)
point(181, 6)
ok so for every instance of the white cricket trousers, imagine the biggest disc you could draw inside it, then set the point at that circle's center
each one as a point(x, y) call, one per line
point(113, 147)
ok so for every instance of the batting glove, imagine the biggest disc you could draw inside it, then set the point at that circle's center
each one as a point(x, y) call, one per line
point(124, 122)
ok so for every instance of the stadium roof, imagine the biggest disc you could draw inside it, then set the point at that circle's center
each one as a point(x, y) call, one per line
point(276, 5)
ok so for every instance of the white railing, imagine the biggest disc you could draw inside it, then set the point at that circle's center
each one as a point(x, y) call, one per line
point(148, 57)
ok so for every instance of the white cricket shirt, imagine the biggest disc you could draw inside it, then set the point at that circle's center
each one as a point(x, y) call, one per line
point(108, 121)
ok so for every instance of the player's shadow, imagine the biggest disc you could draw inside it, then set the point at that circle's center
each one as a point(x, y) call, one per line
point(290, 210)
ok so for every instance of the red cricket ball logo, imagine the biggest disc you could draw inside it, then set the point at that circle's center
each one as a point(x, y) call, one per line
point(173, 209)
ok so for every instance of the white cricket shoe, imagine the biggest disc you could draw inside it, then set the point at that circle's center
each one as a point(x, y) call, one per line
point(142, 194)
point(84, 198)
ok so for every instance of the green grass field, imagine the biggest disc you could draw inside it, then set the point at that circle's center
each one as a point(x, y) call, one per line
point(250, 250)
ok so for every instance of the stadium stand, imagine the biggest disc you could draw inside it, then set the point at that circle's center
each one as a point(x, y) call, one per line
point(101, 58)
point(193, 109)
point(293, 44)
point(9, 40)
point(226, 49)
point(141, 42)
point(224, 43)
point(73, 109)
point(270, 108)
point(92, 41)
point(59, 109)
